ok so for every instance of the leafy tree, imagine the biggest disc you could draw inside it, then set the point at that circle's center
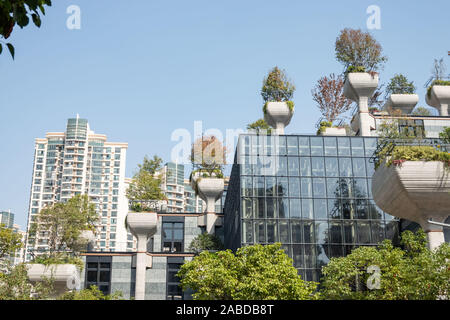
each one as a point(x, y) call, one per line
point(18, 12)
point(91, 293)
point(15, 285)
point(329, 96)
point(208, 155)
point(254, 273)
point(445, 135)
point(355, 48)
point(146, 183)
point(260, 125)
point(421, 111)
point(276, 86)
point(399, 84)
point(414, 272)
point(205, 241)
point(10, 241)
point(63, 224)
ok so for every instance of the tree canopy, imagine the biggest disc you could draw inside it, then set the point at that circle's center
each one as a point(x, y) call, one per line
point(10, 241)
point(277, 87)
point(399, 84)
point(19, 12)
point(358, 49)
point(408, 273)
point(421, 111)
point(205, 241)
point(259, 126)
point(255, 272)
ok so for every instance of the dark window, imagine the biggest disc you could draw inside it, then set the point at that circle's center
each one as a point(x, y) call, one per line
point(98, 273)
point(174, 291)
point(173, 235)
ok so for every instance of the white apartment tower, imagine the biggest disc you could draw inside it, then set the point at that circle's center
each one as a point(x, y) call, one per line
point(75, 162)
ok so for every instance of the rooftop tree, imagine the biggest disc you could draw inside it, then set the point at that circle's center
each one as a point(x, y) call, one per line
point(260, 125)
point(399, 84)
point(329, 96)
point(277, 87)
point(359, 51)
point(19, 12)
point(208, 155)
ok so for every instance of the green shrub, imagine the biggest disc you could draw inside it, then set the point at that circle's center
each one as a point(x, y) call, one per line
point(323, 125)
point(398, 154)
point(352, 69)
point(62, 258)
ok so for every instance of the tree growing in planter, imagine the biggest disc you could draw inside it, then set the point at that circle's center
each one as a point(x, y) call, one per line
point(329, 96)
point(276, 88)
point(254, 273)
point(412, 272)
point(259, 126)
point(399, 84)
point(63, 224)
point(208, 156)
point(359, 51)
point(146, 184)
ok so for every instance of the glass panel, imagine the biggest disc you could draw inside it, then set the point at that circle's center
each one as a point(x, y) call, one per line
point(104, 276)
point(248, 232)
point(360, 188)
point(320, 209)
point(378, 234)
point(270, 186)
point(292, 145)
point(343, 146)
point(348, 210)
point(370, 146)
point(303, 144)
point(318, 168)
point(370, 167)
point(247, 209)
point(297, 255)
point(357, 147)
point(336, 232)
point(307, 209)
point(294, 187)
point(336, 251)
point(296, 230)
point(260, 232)
point(283, 207)
point(246, 186)
point(316, 146)
point(319, 188)
point(334, 211)
point(305, 166)
point(361, 209)
point(271, 209)
point(284, 231)
point(330, 146)
point(349, 232)
point(272, 235)
point(282, 166)
point(363, 232)
point(281, 144)
point(332, 188)
point(295, 209)
point(258, 186)
point(310, 256)
point(345, 167)
point(308, 232)
point(331, 166)
point(258, 204)
point(359, 167)
point(293, 164)
point(374, 212)
point(92, 276)
point(306, 187)
point(282, 187)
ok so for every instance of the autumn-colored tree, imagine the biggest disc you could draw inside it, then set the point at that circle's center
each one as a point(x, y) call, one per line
point(329, 96)
point(208, 154)
point(277, 87)
point(355, 48)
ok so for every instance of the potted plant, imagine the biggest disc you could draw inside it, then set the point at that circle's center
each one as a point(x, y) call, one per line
point(438, 96)
point(401, 95)
point(65, 226)
point(413, 182)
point(208, 156)
point(326, 128)
point(277, 92)
point(145, 197)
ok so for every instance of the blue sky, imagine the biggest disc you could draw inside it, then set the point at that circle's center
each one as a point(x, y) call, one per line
point(140, 69)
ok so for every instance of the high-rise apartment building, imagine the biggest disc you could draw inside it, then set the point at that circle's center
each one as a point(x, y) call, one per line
point(7, 219)
point(77, 162)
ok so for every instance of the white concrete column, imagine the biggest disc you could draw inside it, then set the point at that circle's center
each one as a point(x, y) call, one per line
point(435, 239)
point(141, 267)
point(444, 110)
point(364, 121)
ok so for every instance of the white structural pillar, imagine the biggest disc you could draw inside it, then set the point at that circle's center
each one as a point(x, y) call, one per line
point(143, 226)
point(359, 87)
point(435, 233)
point(278, 116)
point(210, 190)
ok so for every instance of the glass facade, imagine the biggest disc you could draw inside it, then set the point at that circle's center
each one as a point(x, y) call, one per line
point(311, 193)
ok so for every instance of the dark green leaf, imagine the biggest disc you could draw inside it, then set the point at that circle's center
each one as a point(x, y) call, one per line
point(11, 49)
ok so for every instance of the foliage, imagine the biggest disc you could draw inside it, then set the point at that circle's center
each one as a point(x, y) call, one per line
point(254, 273)
point(146, 183)
point(63, 224)
point(421, 111)
point(10, 241)
point(414, 272)
point(329, 96)
point(208, 155)
point(91, 293)
point(354, 69)
point(15, 285)
point(205, 241)
point(411, 153)
point(276, 86)
point(359, 49)
point(445, 135)
point(437, 83)
point(323, 125)
point(399, 84)
point(59, 258)
point(260, 126)
point(18, 12)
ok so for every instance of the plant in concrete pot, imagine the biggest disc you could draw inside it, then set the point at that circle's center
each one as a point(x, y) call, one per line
point(412, 182)
point(208, 155)
point(277, 92)
point(438, 92)
point(400, 94)
point(62, 226)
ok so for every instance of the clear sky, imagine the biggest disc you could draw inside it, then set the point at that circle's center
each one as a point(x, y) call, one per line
point(138, 70)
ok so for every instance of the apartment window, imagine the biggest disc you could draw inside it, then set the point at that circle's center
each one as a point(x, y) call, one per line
point(174, 291)
point(173, 234)
point(98, 273)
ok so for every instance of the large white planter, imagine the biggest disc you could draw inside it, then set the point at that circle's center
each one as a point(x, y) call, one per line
point(334, 132)
point(417, 191)
point(62, 275)
point(278, 116)
point(142, 225)
point(359, 87)
point(403, 102)
point(439, 99)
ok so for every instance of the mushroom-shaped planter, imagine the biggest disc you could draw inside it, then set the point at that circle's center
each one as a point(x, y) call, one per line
point(439, 98)
point(64, 276)
point(278, 115)
point(359, 87)
point(333, 131)
point(418, 191)
point(209, 189)
point(403, 102)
